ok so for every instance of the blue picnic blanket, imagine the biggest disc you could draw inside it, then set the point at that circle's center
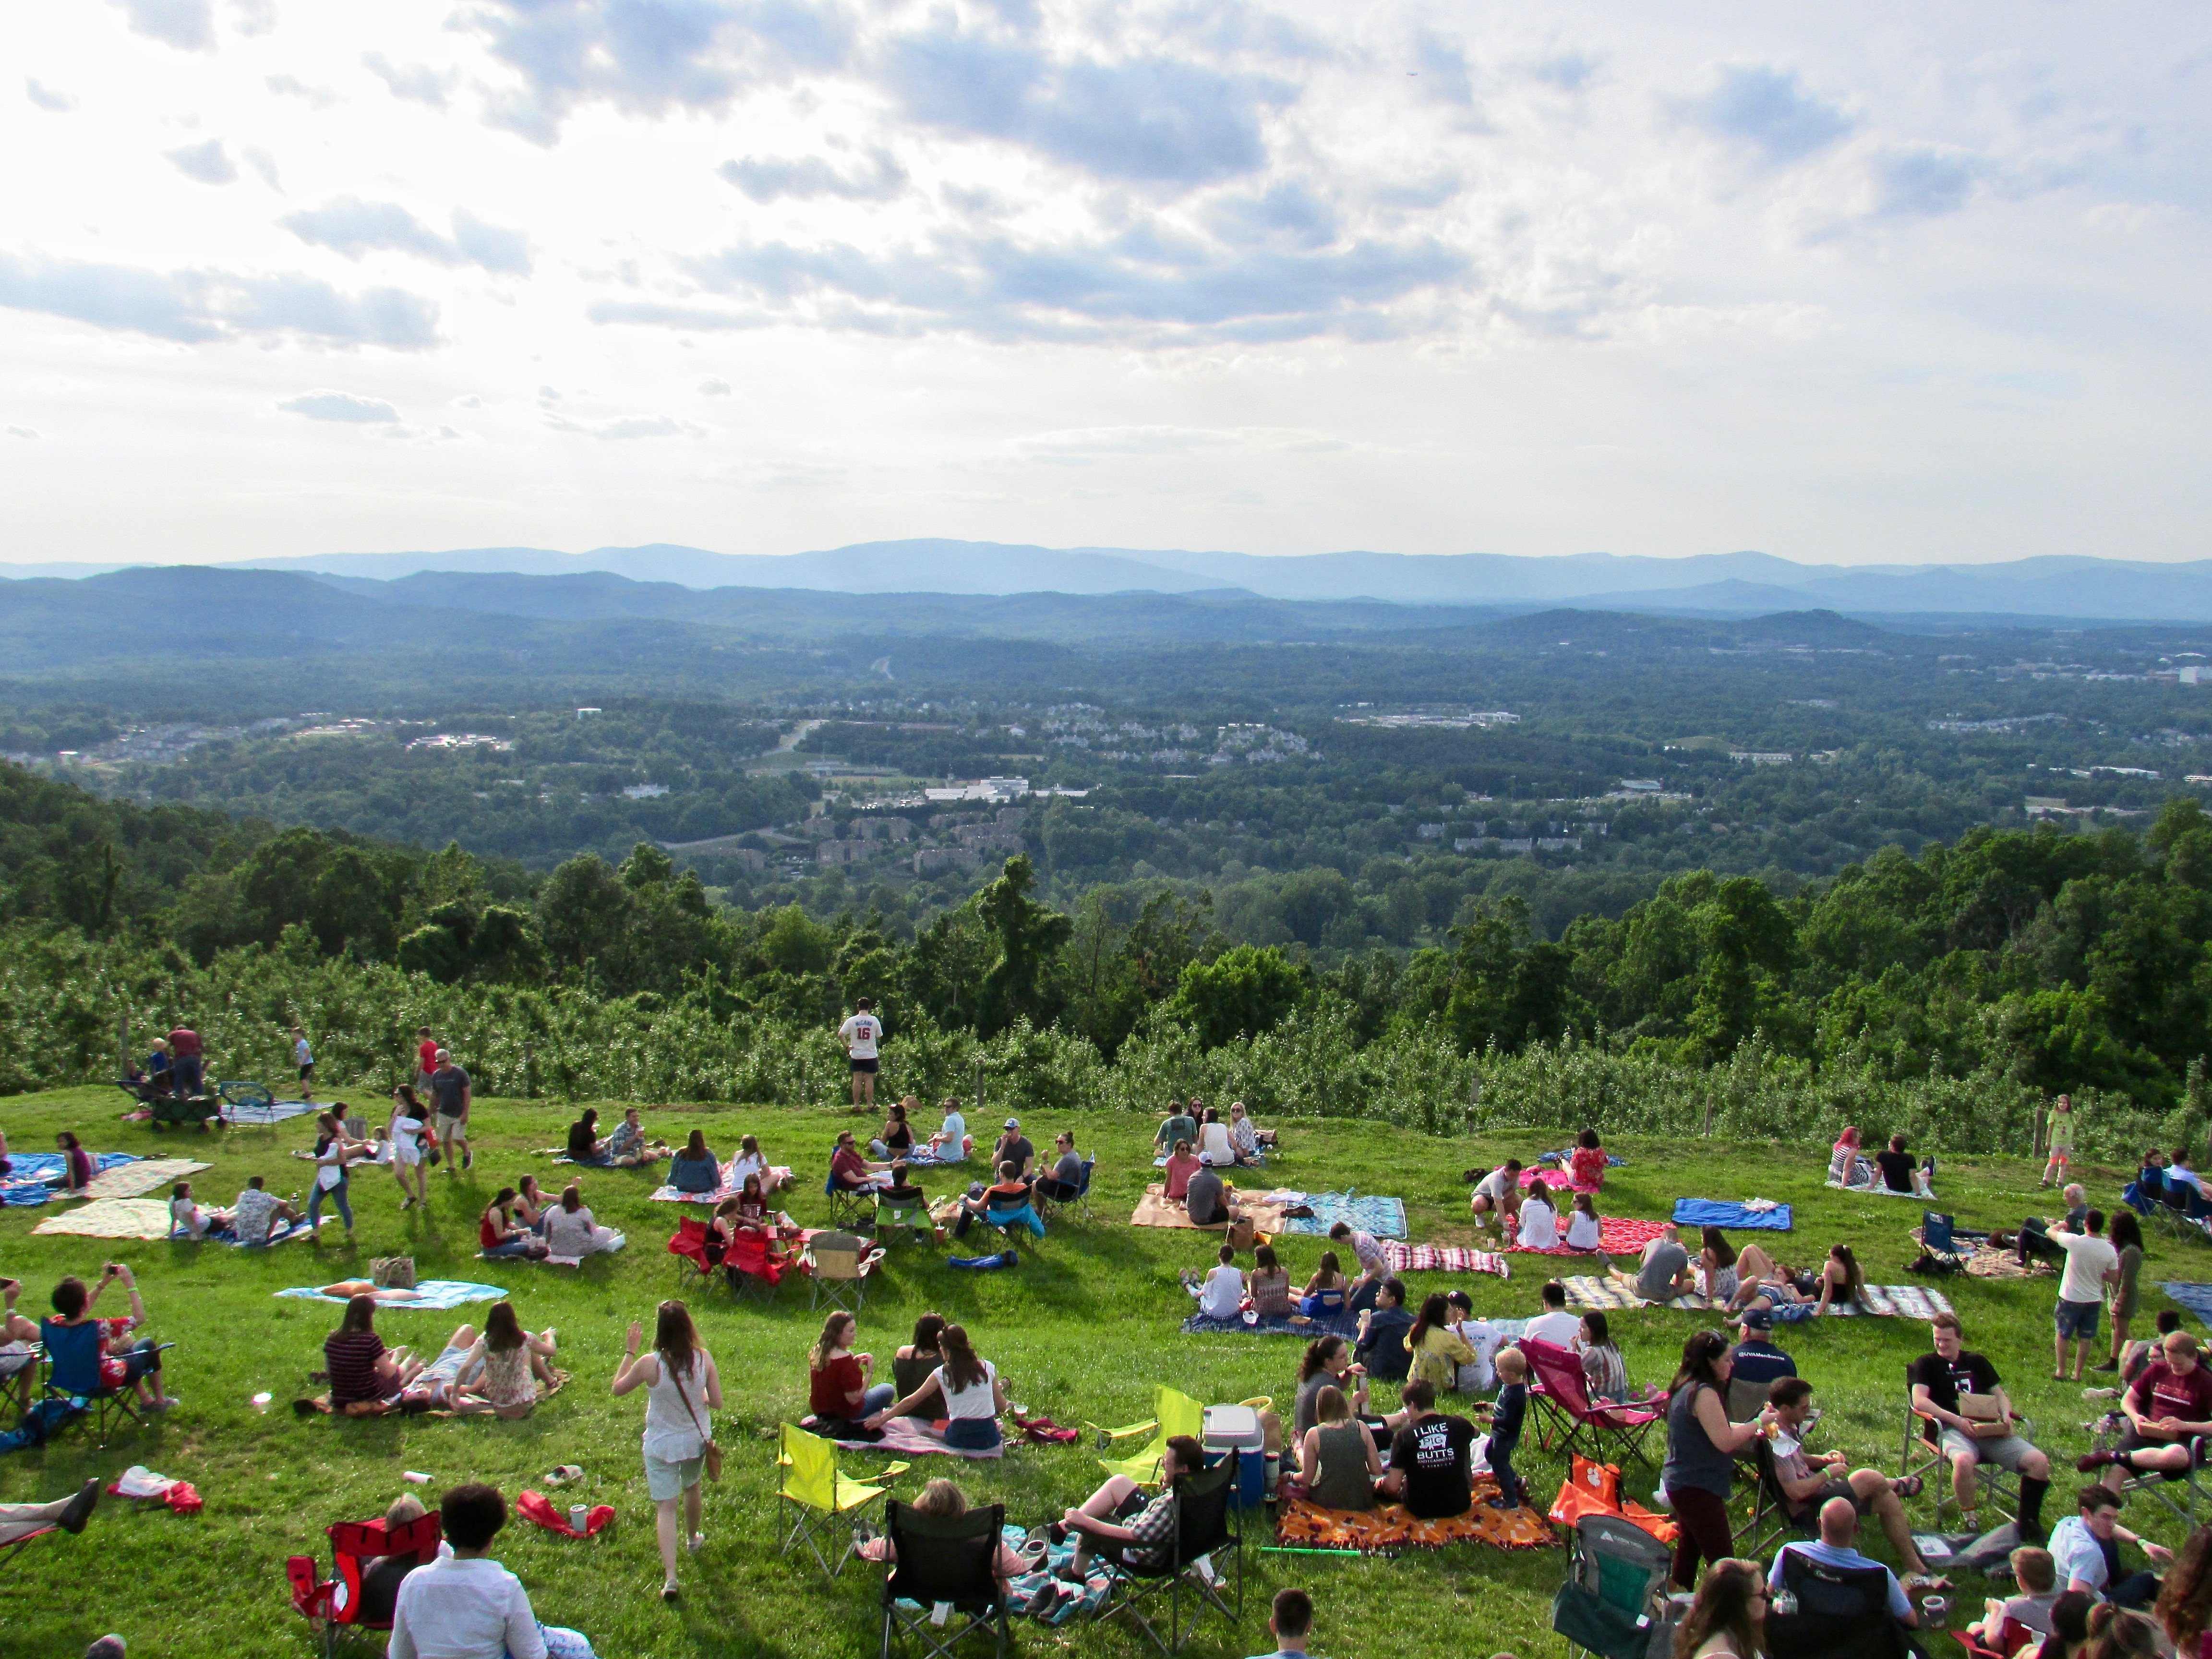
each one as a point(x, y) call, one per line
point(1346, 1325)
point(985, 1263)
point(1566, 1152)
point(1385, 1217)
point(431, 1293)
point(1726, 1212)
point(266, 1111)
point(2197, 1298)
point(225, 1234)
point(34, 1176)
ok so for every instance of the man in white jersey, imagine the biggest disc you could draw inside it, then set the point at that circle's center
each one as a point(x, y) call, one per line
point(862, 1035)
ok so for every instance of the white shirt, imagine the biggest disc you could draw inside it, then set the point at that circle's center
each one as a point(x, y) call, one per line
point(457, 1609)
point(1495, 1185)
point(189, 1216)
point(744, 1164)
point(301, 1054)
point(2081, 1559)
point(2189, 1177)
point(1214, 1145)
point(1582, 1230)
point(1224, 1294)
point(1561, 1327)
point(976, 1401)
point(1540, 1225)
point(2089, 1257)
point(861, 1033)
point(954, 1133)
point(1244, 1135)
point(251, 1216)
point(1367, 1250)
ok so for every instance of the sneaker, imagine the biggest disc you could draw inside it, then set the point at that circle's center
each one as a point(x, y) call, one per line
point(468, 1159)
point(698, 1542)
point(1502, 1502)
point(2106, 1365)
point(79, 1511)
point(2090, 1462)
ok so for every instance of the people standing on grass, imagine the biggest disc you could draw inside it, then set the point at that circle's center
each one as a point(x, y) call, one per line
point(452, 1094)
point(682, 1388)
point(410, 1140)
point(862, 1034)
point(2127, 1243)
point(2091, 1263)
point(2062, 1141)
point(333, 1152)
point(304, 1057)
point(1699, 1472)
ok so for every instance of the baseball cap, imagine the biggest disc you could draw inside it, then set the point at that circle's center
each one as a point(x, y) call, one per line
point(1013, 1123)
point(1755, 1319)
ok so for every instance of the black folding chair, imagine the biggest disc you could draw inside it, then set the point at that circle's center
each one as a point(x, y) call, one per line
point(1206, 1524)
point(1842, 1613)
point(1772, 1516)
point(943, 1563)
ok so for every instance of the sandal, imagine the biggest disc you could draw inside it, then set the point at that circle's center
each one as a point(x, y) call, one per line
point(1910, 1486)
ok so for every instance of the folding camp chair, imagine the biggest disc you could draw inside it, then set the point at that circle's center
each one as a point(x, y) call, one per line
point(695, 1265)
point(1613, 1603)
point(1174, 1413)
point(1024, 1216)
point(73, 1354)
point(15, 1546)
point(940, 1563)
point(336, 1601)
point(1772, 1517)
point(752, 1269)
point(1206, 1523)
point(837, 1266)
point(2194, 1495)
point(1842, 1613)
point(1566, 1420)
point(1923, 1456)
point(814, 1496)
point(848, 1206)
point(1937, 1239)
point(909, 1216)
point(1079, 1202)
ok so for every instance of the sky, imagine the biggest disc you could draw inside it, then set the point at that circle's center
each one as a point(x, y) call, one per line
point(1876, 283)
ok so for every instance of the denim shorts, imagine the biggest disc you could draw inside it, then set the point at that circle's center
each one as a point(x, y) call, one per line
point(2077, 1319)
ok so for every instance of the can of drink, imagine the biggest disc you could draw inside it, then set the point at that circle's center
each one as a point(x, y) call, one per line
point(578, 1514)
point(416, 1475)
point(1934, 1610)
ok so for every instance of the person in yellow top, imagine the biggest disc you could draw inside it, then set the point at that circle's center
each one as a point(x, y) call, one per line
point(2062, 1141)
point(1438, 1351)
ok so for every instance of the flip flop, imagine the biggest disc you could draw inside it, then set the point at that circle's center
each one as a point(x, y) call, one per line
point(1909, 1486)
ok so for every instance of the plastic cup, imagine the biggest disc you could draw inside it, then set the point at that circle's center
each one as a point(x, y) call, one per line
point(578, 1514)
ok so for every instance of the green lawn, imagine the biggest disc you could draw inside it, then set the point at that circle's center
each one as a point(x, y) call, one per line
point(1084, 1330)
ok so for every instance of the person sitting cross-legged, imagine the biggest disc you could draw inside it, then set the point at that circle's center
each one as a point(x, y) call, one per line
point(466, 1605)
point(1809, 1482)
point(1432, 1459)
point(1119, 1523)
point(2087, 1548)
point(1838, 1548)
point(2167, 1408)
point(1208, 1200)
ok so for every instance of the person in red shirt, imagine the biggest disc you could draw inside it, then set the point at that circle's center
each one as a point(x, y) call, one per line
point(849, 1168)
point(186, 1063)
point(425, 1059)
point(839, 1393)
point(1586, 1167)
point(2169, 1407)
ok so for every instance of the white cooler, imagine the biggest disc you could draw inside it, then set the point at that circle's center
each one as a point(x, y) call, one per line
point(1237, 1428)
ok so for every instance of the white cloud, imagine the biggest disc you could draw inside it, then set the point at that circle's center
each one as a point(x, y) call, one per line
point(206, 162)
point(714, 388)
point(22, 432)
point(419, 83)
point(354, 228)
point(187, 25)
point(55, 103)
point(341, 406)
point(198, 306)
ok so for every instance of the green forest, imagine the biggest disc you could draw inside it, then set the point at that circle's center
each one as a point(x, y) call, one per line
point(1943, 994)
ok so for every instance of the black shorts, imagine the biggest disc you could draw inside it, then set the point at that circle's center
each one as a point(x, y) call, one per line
point(307, 1072)
point(1807, 1509)
point(860, 1064)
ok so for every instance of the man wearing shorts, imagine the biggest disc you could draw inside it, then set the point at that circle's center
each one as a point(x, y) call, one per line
point(2091, 1263)
point(861, 1036)
point(451, 1093)
point(1807, 1483)
point(1938, 1380)
point(304, 1057)
point(2168, 1410)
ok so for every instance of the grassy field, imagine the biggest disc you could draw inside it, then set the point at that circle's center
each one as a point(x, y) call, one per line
point(1084, 1330)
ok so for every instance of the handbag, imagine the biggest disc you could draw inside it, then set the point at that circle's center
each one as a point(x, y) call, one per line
point(709, 1450)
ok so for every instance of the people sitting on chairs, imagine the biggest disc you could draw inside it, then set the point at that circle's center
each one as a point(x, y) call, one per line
point(2181, 1175)
point(2087, 1548)
point(20, 1521)
point(1727, 1619)
point(363, 1370)
point(1755, 1359)
point(1208, 1200)
point(1119, 1523)
point(1064, 1184)
point(695, 1169)
point(969, 1389)
point(2008, 1625)
point(1177, 1126)
point(2184, 1600)
point(849, 1170)
point(1431, 1458)
point(1182, 1164)
point(1837, 1548)
point(585, 1145)
point(72, 1329)
point(900, 1189)
point(2168, 1409)
point(1808, 1482)
point(1663, 1274)
point(1324, 1293)
point(1382, 1332)
point(839, 1393)
point(2137, 1356)
point(1498, 1192)
point(466, 1603)
point(940, 1500)
point(1605, 1373)
point(1004, 1203)
point(1338, 1454)
point(189, 1219)
point(1947, 1382)
point(1555, 1325)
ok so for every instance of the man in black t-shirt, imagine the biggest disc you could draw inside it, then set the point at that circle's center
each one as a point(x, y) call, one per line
point(1937, 1380)
point(1432, 1459)
point(1897, 1166)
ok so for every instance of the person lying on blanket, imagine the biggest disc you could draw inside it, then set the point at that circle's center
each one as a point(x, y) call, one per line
point(189, 1219)
point(940, 1500)
point(1664, 1273)
point(1808, 1482)
point(1761, 1282)
point(1119, 1523)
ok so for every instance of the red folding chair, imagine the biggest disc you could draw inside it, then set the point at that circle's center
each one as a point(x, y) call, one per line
point(752, 1269)
point(1566, 1418)
point(336, 1600)
point(14, 1547)
point(695, 1265)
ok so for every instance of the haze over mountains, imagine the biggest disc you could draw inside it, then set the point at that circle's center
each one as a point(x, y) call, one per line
point(1718, 584)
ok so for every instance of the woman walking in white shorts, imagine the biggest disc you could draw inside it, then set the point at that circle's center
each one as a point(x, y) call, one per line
point(681, 1387)
point(409, 1118)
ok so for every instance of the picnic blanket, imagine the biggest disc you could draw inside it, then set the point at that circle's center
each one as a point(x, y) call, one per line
point(1156, 1209)
point(777, 1174)
point(1443, 1258)
point(1346, 1325)
point(263, 1113)
point(608, 1240)
point(113, 1218)
point(33, 1176)
point(137, 1179)
point(1726, 1212)
point(1385, 1217)
point(1253, 1162)
point(431, 1293)
point(907, 1437)
point(1878, 1301)
point(1302, 1525)
point(226, 1235)
point(1617, 1235)
point(2196, 1298)
point(320, 1405)
point(1566, 1152)
point(1986, 1261)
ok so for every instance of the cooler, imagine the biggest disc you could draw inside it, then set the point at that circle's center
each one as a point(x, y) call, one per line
point(1237, 1428)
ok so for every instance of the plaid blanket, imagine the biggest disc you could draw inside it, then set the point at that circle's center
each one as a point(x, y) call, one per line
point(1878, 1301)
point(1443, 1258)
point(1385, 1217)
point(778, 1174)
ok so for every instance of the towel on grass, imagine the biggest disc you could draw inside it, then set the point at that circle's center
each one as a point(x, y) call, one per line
point(1443, 1258)
point(908, 1438)
point(143, 1176)
point(777, 1174)
point(1727, 1213)
point(2196, 1298)
point(34, 1177)
point(1385, 1217)
point(262, 1113)
point(1346, 1325)
point(431, 1293)
point(605, 1242)
point(113, 1218)
point(1302, 1525)
point(1617, 1235)
point(1156, 1209)
point(1878, 1301)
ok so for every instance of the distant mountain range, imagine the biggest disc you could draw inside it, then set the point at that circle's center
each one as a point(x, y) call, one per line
point(1715, 584)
